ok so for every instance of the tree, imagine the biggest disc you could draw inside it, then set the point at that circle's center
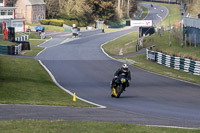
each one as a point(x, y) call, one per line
point(128, 8)
point(52, 8)
point(103, 9)
point(75, 9)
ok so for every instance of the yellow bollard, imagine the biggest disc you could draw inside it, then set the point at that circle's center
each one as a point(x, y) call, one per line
point(74, 97)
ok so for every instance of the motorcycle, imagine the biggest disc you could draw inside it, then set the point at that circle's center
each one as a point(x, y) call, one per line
point(119, 86)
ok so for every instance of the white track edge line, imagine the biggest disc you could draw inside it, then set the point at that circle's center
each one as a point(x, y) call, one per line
point(175, 127)
point(54, 80)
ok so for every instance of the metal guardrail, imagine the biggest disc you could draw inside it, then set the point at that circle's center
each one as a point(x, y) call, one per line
point(18, 49)
point(178, 63)
point(22, 38)
point(11, 50)
point(3, 49)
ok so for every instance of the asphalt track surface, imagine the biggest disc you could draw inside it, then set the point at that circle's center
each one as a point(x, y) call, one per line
point(80, 66)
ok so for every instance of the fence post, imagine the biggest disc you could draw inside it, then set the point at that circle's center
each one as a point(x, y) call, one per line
point(185, 40)
point(195, 39)
point(190, 39)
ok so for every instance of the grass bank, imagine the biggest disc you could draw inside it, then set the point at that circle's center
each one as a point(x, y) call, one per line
point(42, 126)
point(24, 81)
point(7, 43)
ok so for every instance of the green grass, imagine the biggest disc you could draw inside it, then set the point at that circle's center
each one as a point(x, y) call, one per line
point(7, 43)
point(126, 44)
point(34, 36)
point(144, 13)
point(25, 81)
point(43, 126)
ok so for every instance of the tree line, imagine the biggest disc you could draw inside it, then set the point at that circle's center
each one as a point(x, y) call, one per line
point(91, 10)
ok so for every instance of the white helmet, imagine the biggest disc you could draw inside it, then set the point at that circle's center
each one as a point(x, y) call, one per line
point(124, 67)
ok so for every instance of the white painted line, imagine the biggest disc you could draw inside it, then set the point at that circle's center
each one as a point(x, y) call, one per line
point(41, 51)
point(54, 80)
point(171, 127)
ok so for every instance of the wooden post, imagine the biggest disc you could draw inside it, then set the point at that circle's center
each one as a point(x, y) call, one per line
point(181, 35)
point(190, 39)
point(185, 40)
point(195, 39)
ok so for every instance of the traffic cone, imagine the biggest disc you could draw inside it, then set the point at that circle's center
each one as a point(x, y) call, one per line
point(74, 97)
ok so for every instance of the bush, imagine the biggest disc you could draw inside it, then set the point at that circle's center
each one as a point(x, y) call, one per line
point(57, 22)
point(79, 24)
point(45, 21)
point(70, 22)
point(54, 22)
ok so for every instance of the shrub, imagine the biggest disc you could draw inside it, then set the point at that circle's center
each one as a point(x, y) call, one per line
point(45, 21)
point(70, 22)
point(56, 22)
point(79, 24)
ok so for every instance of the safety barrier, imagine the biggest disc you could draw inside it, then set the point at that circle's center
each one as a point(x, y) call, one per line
point(11, 50)
point(22, 38)
point(177, 63)
point(3, 49)
point(18, 49)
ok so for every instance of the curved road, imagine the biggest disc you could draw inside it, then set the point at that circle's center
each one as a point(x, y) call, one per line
point(82, 67)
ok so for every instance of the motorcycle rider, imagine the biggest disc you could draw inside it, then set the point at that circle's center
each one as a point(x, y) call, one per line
point(123, 69)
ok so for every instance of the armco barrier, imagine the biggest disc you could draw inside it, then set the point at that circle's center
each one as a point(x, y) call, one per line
point(22, 38)
point(3, 49)
point(177, 63)
point(18, 49)
point(11, 50)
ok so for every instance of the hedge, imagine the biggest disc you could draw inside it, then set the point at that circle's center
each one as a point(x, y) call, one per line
point(57, 22)
point(44, 21)
point(54, 22)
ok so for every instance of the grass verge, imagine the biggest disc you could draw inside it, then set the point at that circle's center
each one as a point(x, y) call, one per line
point(43, 126)
point(7, 43)
point(24, 81)
point(123, 45)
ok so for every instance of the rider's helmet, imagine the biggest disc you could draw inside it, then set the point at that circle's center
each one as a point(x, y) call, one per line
point(124, 68)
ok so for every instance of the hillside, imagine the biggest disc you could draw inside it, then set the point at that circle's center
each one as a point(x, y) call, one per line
point(193, 7)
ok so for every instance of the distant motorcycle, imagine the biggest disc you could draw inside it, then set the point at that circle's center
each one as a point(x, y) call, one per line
point(151, 5)
point(119, 86)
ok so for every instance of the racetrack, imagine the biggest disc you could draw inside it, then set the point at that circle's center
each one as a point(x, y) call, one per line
point(80, 66)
